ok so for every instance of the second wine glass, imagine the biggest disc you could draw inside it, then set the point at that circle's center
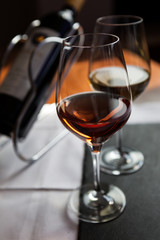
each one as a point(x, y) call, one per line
point(120, 159)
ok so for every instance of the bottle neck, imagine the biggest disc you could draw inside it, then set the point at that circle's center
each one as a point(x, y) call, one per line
point(68, 12)
point(74, 6)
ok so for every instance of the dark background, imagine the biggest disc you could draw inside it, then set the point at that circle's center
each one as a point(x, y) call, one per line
point(15, 16)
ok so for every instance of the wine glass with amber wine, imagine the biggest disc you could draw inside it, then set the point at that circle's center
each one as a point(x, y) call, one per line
point(93, 115)
point(122, 159)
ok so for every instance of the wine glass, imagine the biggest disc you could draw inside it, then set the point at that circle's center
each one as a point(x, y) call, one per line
point(120, 159)
point(93, 115)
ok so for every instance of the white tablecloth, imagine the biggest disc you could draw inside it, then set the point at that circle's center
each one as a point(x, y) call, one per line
point(146, 108)
point(33, 197)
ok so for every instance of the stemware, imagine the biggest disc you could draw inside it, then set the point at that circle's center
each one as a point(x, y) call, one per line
point(92, 114)
point(121, 159)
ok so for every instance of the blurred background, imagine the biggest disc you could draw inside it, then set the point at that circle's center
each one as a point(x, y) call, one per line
point(15, 16)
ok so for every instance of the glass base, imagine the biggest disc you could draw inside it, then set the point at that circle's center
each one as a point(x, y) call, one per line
point(115, 162)
point(96, 207)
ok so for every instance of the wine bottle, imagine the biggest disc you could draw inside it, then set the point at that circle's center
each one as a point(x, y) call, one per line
point(16, 90)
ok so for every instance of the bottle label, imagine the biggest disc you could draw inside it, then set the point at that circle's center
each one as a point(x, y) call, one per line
point(16, 82)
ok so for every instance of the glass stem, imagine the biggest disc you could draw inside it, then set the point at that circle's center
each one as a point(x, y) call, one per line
point(96, 170)
point(122, 159)
point(119, 139)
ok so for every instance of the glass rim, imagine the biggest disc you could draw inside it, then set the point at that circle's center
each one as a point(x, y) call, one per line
point(68, 44)
point(136, 20)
